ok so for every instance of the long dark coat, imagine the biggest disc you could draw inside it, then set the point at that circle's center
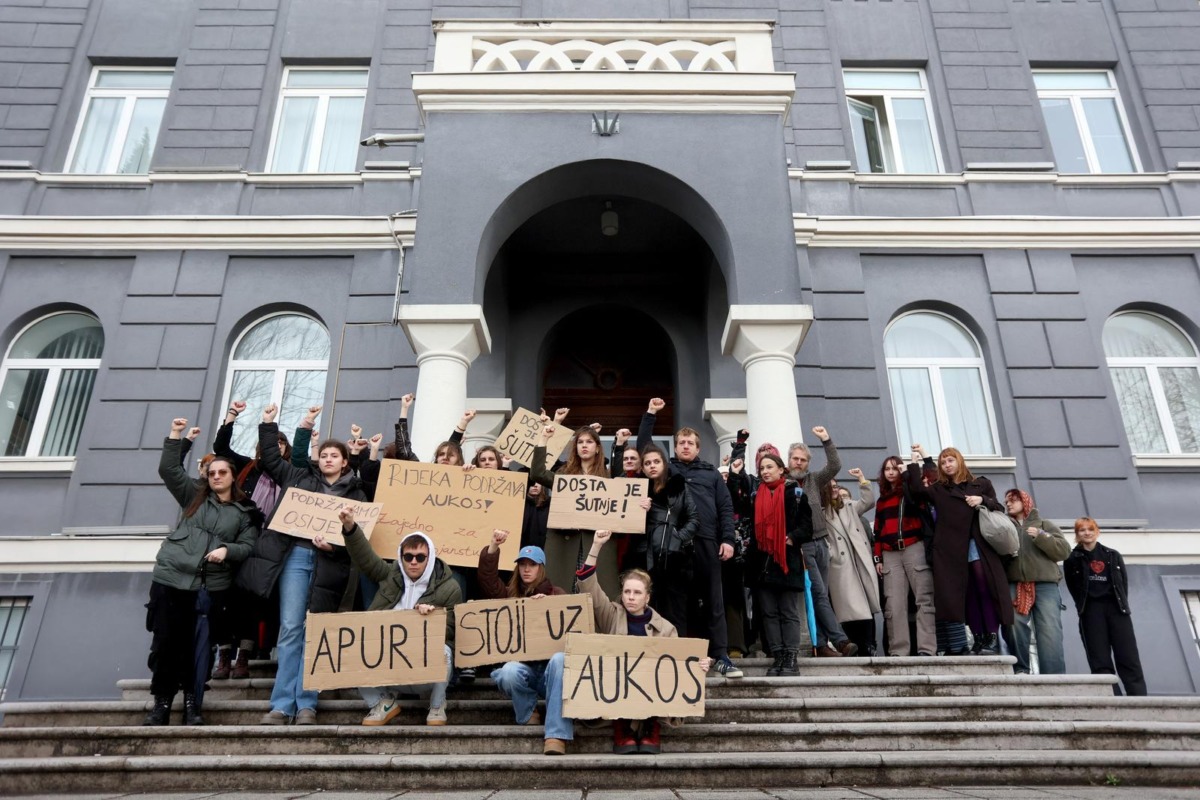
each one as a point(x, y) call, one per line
point(957, 523)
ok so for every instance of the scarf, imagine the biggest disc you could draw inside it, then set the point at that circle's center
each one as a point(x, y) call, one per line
point(770, 521)
point(266, 492)
point(414, 590)
point(1026, 590)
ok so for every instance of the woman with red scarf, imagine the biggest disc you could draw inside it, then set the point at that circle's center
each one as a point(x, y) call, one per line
point(782, 522)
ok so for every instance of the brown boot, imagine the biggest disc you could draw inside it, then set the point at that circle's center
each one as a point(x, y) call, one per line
point(221, 670)
point(825, 651)
point(241, 665)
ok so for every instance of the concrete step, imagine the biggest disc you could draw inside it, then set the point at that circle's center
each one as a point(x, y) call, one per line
point(416, 739)
point(498, 711)
point(124, 774)
point(794, 687)
point(909, 665)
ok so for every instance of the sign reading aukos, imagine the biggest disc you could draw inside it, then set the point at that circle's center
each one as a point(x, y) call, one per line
point(374, 648)
point(633, 677)
point(521, 629)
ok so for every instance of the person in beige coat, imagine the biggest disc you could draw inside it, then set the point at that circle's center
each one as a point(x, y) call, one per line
point(632, 616)
point(853, 585)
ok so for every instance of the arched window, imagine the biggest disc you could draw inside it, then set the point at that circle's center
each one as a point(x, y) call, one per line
point(939, 385)
point(46, 384)
point(1156, 374)
point(280, 359)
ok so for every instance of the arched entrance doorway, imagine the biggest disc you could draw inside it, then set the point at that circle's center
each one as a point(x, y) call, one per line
point(599, 314)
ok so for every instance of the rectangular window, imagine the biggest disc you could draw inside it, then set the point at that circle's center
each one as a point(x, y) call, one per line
point(319, 120)
point(122, 113)
point(1191, 603)
point(1086, 122)
point(12, 618)
point(891, 121)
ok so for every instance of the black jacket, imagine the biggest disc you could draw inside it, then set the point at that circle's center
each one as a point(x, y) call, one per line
point(331, 573)
point(671, 525)
point(1076, 570)
point(707, 488)
point(761, 569)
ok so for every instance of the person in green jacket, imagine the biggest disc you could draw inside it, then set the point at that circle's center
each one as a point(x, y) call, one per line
point(1033, 577)
point(418, 581)
point(217, 529)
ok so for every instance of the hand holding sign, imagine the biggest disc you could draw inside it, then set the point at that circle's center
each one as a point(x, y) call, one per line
point(525, 431)
point(307, 514)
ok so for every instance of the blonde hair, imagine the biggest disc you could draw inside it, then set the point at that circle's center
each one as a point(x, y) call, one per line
point(637, 574)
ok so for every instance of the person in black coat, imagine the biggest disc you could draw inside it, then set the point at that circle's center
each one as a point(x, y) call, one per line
point(1096, 577)
point(781, 520)
point(310, 577)
point(666, 549)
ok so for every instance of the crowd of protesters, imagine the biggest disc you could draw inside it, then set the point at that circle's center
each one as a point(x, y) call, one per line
point(747, 554)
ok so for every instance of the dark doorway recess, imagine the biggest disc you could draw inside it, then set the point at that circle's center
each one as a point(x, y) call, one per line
point(606, 375)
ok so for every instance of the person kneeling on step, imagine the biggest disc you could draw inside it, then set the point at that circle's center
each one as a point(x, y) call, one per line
point(524, 683)
point(633, 616)
point(419, 581)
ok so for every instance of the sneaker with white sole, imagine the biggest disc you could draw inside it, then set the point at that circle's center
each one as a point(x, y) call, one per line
point(436, 716)
point(726, 668)
point(383, 712)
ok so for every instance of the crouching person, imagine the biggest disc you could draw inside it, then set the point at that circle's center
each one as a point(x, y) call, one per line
point(632, 616)
point(418, 581)
point(525, 683)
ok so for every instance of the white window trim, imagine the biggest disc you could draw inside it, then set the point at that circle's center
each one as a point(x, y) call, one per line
point(897, 167)
point(1151, 365)
point(130, 96)
point(322, 94)
point(1076, 96)
point(281, 367)
point(41, 419)
point(934, 367)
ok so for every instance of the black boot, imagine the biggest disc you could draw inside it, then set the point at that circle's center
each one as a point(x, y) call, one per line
point(776, 665)
point(161, 713)
point(191, 710)
point(790, 665)
point(989, 646)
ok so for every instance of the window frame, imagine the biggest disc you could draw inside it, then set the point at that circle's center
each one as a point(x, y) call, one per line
point(1150, 365)
point(323, 95)
point(887, 125)
point(1076, 97)
point(55, 368)
point(130, 98)
point(279, 366)
point(933, 367)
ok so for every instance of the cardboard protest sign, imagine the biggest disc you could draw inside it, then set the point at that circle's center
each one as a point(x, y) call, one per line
point(524, 432)
point(458, 510)
point(495, 631)
point(633, 677)
point(599, 504)
point(374, 648)
point(305, 514)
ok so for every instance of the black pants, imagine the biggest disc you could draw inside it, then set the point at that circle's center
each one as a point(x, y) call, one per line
point(671, 595)
point(171, 618)
point(706, 587)
point(862, 633)
point(734, 599)
point(1108, 636)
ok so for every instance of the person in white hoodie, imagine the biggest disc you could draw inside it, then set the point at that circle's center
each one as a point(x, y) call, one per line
point(419, 581)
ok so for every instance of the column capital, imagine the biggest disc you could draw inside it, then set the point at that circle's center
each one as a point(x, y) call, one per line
point(457, 332)
point(491, 415)
point(754, 332)
point(727, 415)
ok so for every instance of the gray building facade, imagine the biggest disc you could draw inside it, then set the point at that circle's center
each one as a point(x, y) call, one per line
point(965, 222)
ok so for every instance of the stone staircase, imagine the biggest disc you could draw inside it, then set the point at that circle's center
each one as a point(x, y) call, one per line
point(883, 721)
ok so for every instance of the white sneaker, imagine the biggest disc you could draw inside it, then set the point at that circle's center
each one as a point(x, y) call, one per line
point(383, 712)
point(436, 716)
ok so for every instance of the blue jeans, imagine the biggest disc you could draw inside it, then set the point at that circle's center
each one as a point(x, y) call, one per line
point(1045, 620)
point(816, 558)
point(289, 695)
point(525, 683)
point(436, 691)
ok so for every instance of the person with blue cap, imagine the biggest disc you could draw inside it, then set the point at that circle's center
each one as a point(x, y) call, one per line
point(524, 683)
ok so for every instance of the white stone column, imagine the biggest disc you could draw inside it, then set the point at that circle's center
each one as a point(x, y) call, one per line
point(446, 339)
point(764, 339)
point(491, 415)
point(727, 415)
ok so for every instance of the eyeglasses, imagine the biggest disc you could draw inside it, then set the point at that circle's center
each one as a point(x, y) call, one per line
point(418, 558)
